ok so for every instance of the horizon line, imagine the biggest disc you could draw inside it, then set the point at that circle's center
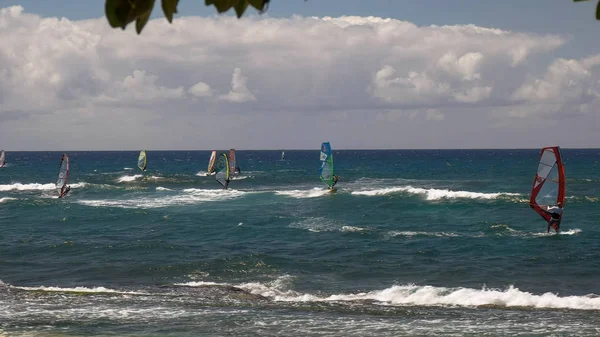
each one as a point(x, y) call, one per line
point(311, 149)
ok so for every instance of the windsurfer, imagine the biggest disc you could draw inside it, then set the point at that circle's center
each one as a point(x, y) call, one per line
point(64, 190)
point(555, 212)
point(226, 184)
point(335, 180)
point(237, 170)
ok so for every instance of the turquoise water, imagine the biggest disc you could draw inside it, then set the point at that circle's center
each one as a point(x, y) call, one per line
point(413, 243)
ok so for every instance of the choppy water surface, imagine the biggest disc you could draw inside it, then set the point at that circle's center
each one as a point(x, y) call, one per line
point(413, 243)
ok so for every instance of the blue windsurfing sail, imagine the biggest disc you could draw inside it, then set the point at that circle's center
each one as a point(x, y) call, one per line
point(326, 169)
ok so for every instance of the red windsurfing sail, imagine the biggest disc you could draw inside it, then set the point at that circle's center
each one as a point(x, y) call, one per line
point(232, 163)
point(549, 184)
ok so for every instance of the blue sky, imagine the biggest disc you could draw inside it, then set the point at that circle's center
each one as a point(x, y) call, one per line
point(537, 16)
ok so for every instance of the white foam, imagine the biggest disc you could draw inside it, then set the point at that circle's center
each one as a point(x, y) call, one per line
point(418, 233)
point(78, 185)
point(240, 177)
point(160, 188)
point(155, 177)
point(407, 295)
point(79, 290)
point(302, 194)
point(432, 193)
point(126, 179)
point(190, 196)
point(353, 229)
point(27, 187)
point(203, 174)
point(571, 231)
point(316, 224)
point(127, 168)
point(200, 284)
point(5, 199)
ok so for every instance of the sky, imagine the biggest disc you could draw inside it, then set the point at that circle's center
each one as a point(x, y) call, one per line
point(380, 74)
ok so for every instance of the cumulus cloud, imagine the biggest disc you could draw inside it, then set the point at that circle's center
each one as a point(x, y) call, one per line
point(239, 92)
point(201, 89)
point(361, 82)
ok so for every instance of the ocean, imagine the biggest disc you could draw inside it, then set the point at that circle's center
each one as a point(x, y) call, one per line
point(413, 243)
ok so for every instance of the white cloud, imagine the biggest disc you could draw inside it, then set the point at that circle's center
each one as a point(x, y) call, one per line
point(140, 87)
point(358, 81)
point(201, 89)
point(239, 92)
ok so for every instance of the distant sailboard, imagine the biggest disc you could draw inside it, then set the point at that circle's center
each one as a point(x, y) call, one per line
point(211, 163)
point(2, 158)
point(63, 176)
point(222, 171)
point(326, 169)
point(548, 188)
point(282, 155)
point(142, 160)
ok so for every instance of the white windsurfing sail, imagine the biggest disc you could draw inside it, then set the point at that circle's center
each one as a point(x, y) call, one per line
point(142, 160)
point(282, 155)
point(63, 175)
point(2, 158)
point(211, 163)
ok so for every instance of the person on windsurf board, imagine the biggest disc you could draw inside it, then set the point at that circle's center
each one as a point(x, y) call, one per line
point(548, 190)
point(63, 176)
point(335, 180)
point(555, 213)
point(326, 172)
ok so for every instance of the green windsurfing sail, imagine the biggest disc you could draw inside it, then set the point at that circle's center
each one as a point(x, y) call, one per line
point(326, 170)
point(223, 172)
point(142, 160)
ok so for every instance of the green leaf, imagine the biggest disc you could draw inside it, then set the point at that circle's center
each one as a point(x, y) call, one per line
point(258, 4)
point(117, 12)
point(141, 21)
point(122, 12)
point(221, 5)
point(169, 8)
point(240, 8)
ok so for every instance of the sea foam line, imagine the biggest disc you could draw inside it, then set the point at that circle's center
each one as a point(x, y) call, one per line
point(27, 187)
point(410, 295)
point(126, 179)
point(94, 290)
point(302, 194)
point(433, 193)
point(190, 196)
